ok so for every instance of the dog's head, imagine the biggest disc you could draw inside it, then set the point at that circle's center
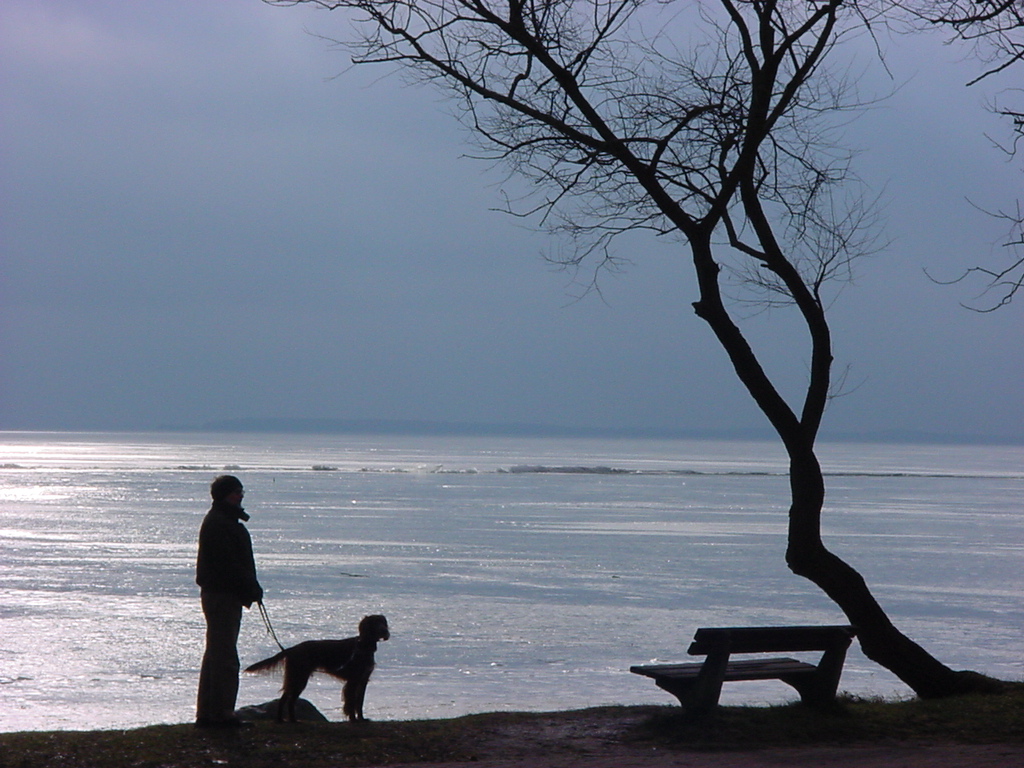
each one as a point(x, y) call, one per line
point(374, 627)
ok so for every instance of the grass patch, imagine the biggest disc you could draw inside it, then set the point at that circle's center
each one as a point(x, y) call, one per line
point(971, 719)
point(311, 745)
point(981, 719)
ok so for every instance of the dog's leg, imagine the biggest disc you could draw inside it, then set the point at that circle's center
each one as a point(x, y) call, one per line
point(296, 677)
point(353, 695)
point(348, 704)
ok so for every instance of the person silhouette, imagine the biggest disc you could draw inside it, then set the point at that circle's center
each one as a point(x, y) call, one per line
point(226, 575)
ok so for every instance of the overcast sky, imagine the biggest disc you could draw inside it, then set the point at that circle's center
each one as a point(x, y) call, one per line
point(206, 216)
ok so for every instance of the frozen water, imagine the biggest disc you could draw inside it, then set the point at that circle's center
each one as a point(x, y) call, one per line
point(521, 574)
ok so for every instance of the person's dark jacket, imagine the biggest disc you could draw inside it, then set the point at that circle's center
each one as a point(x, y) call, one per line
point(225, 561)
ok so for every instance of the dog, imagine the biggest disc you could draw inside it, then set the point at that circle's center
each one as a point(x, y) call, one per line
point(350, 660)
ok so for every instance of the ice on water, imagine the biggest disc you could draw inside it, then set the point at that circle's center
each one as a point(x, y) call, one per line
point(523, 574)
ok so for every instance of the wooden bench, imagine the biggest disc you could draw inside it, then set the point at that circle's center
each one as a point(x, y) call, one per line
point(698, 685)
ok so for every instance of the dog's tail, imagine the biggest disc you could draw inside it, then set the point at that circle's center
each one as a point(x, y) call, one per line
point(267, 664)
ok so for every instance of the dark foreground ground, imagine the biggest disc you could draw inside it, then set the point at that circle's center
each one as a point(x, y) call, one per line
point(970, 732)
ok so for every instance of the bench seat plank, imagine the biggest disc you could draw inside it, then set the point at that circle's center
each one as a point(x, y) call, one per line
point(752, 669)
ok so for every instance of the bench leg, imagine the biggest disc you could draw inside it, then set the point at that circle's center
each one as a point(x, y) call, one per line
point(820, 688)
point(810, 689)
point(679, 689)
point(817, 690)
point(699, 695)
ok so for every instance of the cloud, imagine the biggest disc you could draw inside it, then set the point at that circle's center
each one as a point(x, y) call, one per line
point(206, 213)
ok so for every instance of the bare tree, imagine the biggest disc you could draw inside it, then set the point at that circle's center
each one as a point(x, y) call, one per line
point(993, 27)
point(994, 30)
point(713, 126)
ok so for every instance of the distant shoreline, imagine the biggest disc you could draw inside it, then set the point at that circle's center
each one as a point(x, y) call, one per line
point(423, 428)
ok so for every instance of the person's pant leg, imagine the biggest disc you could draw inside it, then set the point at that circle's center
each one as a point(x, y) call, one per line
point(218, 677)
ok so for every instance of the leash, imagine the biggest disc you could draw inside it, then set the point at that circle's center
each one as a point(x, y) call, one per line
point(267, 624)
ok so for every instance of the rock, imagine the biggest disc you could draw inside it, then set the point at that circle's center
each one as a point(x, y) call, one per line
point(304, 710)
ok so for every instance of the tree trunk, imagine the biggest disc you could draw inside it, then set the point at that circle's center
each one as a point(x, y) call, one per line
point(806, 554)
point(880, 640)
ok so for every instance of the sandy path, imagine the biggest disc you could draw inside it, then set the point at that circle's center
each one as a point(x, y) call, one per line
point(594, 740)
point(893, 756)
